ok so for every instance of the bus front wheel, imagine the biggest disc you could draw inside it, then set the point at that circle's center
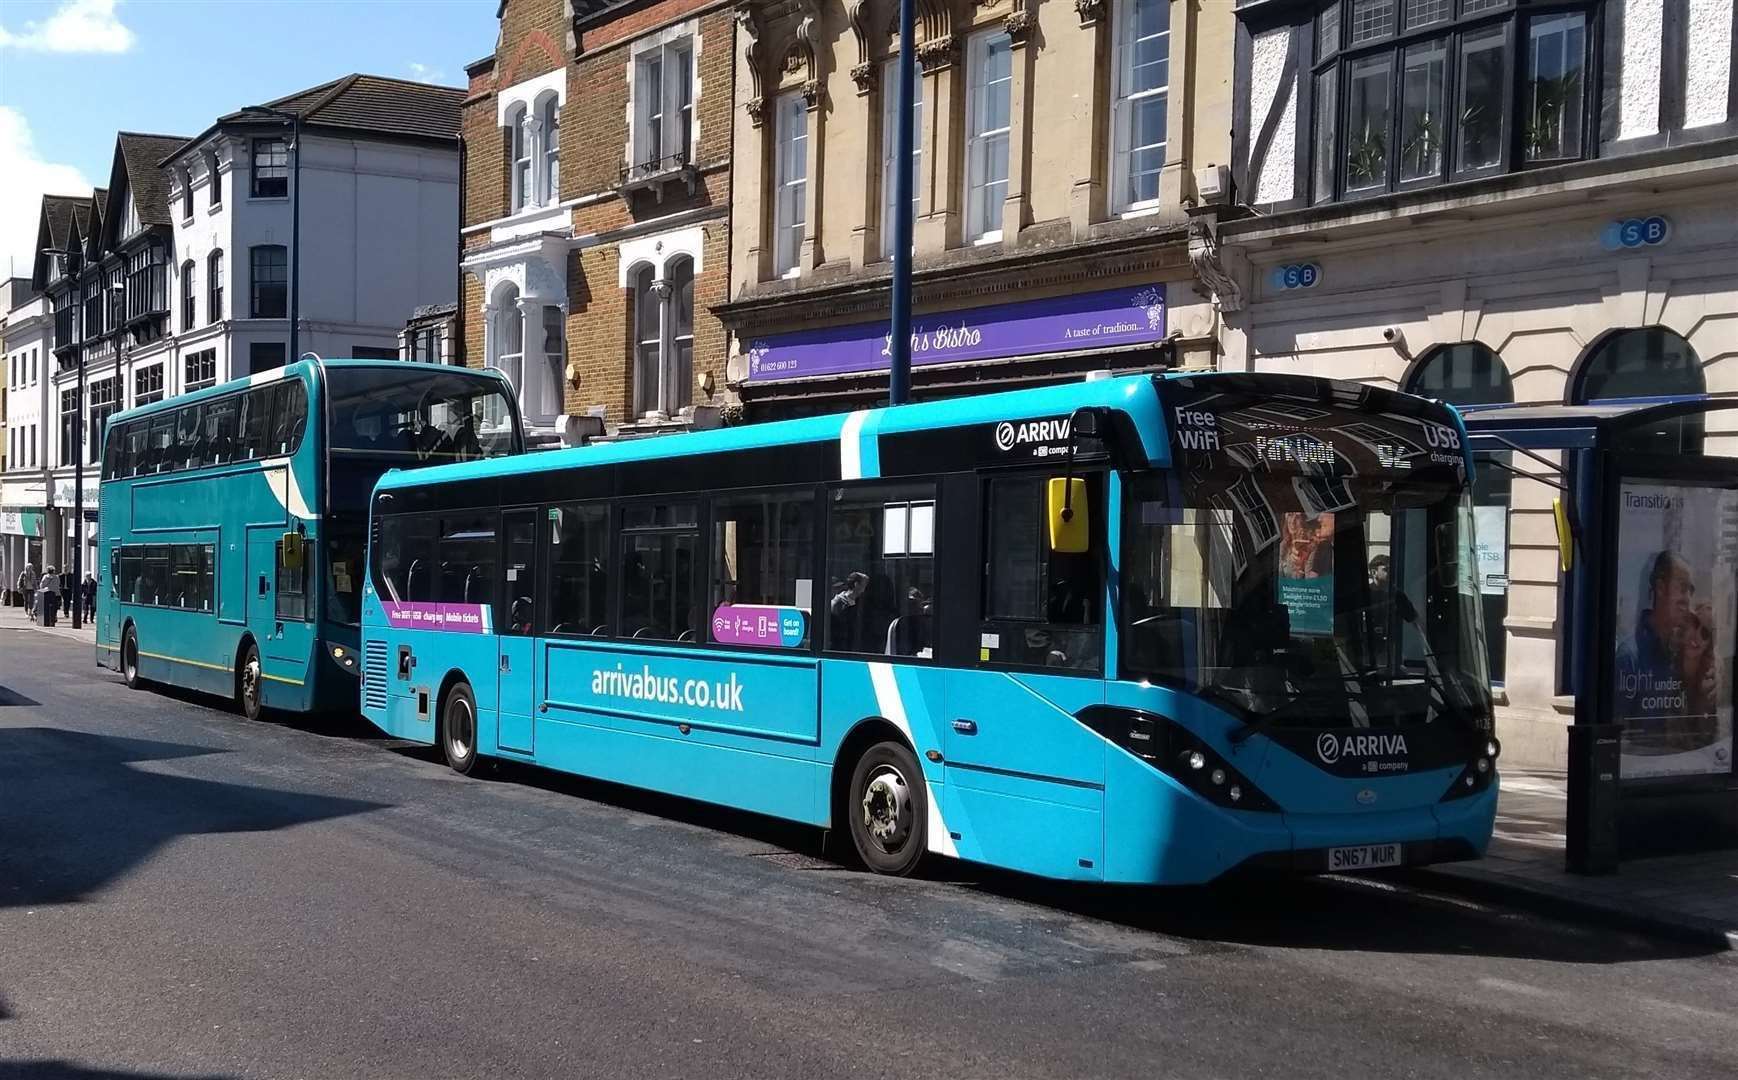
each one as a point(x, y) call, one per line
point(459, 729)
point(248, 678)
point(130, 659)
point(888, 809)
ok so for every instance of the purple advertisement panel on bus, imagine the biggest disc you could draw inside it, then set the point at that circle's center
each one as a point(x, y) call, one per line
point(453, 618)
point(1094, 320)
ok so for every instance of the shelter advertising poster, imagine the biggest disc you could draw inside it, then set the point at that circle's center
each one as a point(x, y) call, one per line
point(1306, 572)
point(1677, 594)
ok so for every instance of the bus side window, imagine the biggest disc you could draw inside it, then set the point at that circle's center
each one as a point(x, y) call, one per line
point(256, 422)
point(220, 427)
point(764, 557)
point(578, 566)
point(190, 436)
point(660, 573)
point(136, 457)
point(466, 555)
point(290, 418)
point(880, 595)
point(162, 439)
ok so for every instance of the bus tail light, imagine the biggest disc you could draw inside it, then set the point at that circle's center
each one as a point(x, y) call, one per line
point(1174, 751)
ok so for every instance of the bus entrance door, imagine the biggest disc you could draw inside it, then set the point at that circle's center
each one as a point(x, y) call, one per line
point(517, 687)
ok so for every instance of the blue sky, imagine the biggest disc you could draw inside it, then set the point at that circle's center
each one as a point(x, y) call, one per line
point(74, 72)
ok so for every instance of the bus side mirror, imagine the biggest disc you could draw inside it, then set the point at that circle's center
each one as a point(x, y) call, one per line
point(1069, 515)
point(292, 545)
point(1565, 535)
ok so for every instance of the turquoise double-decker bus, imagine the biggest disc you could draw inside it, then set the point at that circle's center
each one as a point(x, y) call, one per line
point(233, 521)
point(1147, 629)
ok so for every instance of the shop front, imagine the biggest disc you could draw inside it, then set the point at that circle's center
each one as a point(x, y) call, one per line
point(1045, 338)
point(21, 534)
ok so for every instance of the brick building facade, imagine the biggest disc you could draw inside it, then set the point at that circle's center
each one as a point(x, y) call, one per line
point(597, 143)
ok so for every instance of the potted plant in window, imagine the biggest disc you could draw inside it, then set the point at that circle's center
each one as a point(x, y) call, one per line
point(1367, 157)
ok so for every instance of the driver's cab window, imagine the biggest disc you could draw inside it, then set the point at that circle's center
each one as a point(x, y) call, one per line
point(1042, 608)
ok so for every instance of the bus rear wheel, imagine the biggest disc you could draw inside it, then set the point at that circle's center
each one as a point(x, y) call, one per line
point(458, 732)
point(130, 659)
point(248, 679)
point(888, 809)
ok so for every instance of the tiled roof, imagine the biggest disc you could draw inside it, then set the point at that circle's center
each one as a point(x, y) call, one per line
point(139, 155)
point(373, 104)
point(58, 211)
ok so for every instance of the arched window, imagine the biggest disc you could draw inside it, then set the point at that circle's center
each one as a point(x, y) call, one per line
point(520, 127)
point(214, 286)
point(663, 338)
point(1465, 373)
point(549, 111)
point(187, 295)
point(1649, 362)
point(1470, 373)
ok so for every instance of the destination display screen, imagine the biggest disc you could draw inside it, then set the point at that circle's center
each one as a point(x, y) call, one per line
point(1306, 427)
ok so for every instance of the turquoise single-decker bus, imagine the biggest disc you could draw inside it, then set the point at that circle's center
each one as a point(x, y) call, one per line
point(1137, 629)
point(233, 521)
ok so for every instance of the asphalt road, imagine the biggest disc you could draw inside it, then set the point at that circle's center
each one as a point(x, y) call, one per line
point(183, 893)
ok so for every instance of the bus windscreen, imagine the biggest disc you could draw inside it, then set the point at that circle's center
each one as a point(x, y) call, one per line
point(417, 417)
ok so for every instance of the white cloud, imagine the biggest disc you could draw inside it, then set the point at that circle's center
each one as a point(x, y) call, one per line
point(77, 26)
point(425, 74)
point(23, 182)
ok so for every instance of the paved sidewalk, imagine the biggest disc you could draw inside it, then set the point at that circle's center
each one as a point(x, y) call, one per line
point(1693, 895)
point(12, 618)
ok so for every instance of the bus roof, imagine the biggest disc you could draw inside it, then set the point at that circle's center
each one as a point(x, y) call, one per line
point(299, 368)
point(1135, 394)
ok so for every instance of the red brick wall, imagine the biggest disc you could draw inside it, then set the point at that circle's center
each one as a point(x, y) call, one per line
point(594, 126)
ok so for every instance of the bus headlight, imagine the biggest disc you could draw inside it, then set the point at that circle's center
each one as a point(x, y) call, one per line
point(343, 656)
point(1168, 747)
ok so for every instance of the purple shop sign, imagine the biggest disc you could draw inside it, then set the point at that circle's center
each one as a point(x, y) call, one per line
point(759, 624)
point(1093, 320)
point(453, 618)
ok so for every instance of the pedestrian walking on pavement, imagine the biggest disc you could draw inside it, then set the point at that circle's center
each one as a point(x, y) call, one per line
point(87, 596)
point(27, 590)
point(48, 592)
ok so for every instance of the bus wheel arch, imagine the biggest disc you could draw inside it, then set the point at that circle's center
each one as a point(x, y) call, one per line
point(249, 684)
point(456, 703)
point(876, 763)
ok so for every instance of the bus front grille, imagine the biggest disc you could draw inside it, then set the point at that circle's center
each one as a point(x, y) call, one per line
point(374, 675)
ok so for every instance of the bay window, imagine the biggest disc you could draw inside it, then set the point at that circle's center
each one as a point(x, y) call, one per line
point(1138, 110)
point(791, 139)
point(1409, 93)
point(989, 107)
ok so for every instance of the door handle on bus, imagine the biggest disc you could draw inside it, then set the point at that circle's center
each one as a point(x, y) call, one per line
point(506, 664)
point(966, 727)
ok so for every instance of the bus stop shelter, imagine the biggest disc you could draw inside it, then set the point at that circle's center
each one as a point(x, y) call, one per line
point(1647, 519)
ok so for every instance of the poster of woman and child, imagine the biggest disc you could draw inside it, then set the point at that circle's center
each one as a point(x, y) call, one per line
point(1677, 579)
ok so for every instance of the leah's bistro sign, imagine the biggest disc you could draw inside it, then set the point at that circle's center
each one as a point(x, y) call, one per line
point(1105, 319)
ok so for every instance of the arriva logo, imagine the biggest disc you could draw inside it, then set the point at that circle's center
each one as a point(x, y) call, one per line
point(1331, 748)
point(1009, 435)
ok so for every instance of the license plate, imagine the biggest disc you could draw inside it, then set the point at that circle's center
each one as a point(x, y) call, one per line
point(1366, 857)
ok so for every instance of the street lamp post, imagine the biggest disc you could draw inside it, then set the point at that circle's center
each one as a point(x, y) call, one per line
point(899, 360)
point(295, 122)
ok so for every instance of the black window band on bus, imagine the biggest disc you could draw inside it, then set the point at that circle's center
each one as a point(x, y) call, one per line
point(248, 425)
point(178, 576)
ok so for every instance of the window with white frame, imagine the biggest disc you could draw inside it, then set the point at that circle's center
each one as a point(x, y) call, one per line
point(519, 127)
point(664, 106)
point(270, 169)
point(215, 180)
point(889, 140)
point(541, 397)
point(105, 400)
point(1138, 110)
point(200, 370)
point(510, 335)
point(214, 287)
point(989, 108)
point(791, 139)
point(148, 385)
point(549, 111)
point(187, 295)
point(664, 338)
point(186, 177)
